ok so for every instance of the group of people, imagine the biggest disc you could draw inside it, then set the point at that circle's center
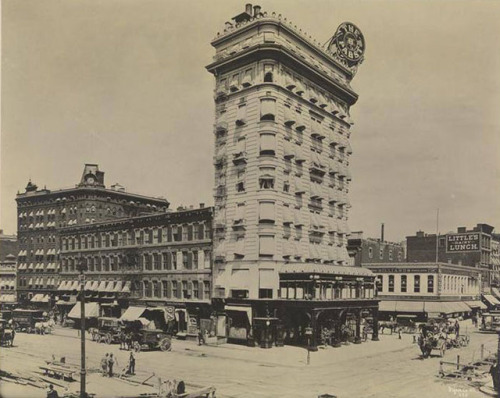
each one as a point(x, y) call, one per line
point(108, 362)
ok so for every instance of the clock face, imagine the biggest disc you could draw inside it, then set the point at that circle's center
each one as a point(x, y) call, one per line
point(90, 180)
point(350, 42)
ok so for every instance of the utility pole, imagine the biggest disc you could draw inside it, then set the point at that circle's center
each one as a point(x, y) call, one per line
point(82, 267)
point(437, 236)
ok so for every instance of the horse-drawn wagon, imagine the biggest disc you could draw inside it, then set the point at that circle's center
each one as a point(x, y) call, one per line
point(30, 321)
point(109, 330)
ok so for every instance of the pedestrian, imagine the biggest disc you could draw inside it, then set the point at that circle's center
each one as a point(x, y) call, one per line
point(51, 393)
point(131, 364)
point(111, 362)
point(200, 337)
point(104, 365)
point(494, 374)
point(457, 328)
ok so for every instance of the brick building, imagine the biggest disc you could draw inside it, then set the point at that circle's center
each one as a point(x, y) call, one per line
point(369, 250)
point(161, 260)
point(42, 213)
point(469, 247)
point(282, 152)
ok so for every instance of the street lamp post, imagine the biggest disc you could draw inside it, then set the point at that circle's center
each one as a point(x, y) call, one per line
point(498, 366)
point(82, 267)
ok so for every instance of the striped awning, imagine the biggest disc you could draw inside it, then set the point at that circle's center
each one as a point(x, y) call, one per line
point(491, 300)
point(476, 304)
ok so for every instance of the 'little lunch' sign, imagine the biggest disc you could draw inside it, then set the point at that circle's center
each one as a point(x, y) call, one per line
point(462, 242)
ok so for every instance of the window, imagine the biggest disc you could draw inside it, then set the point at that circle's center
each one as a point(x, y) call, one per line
point(430, 283)
point(268, 73)
point(267, 109)
point(391, 283)
point(380, 283)
point(166, 292)
point(247, 78)
point(178, 234)
point(156, 261)
point(147, 262)
point(147, 289)
point(240, 146)
point(206, 290)
point(156, 289)
point(267, 144)
point(195, 260)
point(185, 233)
point(390, 254)
point(185, 263)
point(370, 252)
point(381, 253)
point(175, 290)
point(266, 293)
point(185, 291)
point(240, 186)
point(190, 232)
point(266, 245)
point(167, 263)
point(266, 212)
point(196, 293)
point(241, 116)
point(266, 179)
point(404, 283)
point(416, 283)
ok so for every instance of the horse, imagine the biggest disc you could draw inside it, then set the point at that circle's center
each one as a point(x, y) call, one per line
point(391, 325)
point(7, 337)
point(44, 327)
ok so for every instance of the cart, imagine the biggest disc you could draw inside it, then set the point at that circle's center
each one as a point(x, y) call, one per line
point(25, 320)
point(109, 330)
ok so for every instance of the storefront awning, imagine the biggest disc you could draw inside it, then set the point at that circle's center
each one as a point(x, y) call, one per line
point(132, 314)
point(491, 299)
point(7, 298)
point(37, 298)
point(496, 292)
point(446, 307)
point(102, 286)
point(91, 311)
point(410, 306)
point(247, 310)
point(387, 306)
point(476, 304)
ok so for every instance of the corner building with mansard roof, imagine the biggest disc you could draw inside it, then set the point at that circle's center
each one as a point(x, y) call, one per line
point(282, 128)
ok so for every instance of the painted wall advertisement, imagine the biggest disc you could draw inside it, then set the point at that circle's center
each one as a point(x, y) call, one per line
point(456, 243)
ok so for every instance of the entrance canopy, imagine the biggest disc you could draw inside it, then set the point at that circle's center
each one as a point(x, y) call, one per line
point(91, 311)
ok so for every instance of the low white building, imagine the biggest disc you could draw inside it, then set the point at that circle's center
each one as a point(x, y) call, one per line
point(427, 290)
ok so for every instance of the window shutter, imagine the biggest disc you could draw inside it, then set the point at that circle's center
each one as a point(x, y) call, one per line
point(266, 211)
point(241, 116)
point(268, 143)
point(266, 245)
point(267, 108)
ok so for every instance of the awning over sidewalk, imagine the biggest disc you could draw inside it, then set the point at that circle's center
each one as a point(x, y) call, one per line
point(132, 314)
point(7, 298)
point(247, 310)
point(446, 307)
point(401, 306)
point(40, 298)
point(491, 300)
point(476, 304)
point(495, 292)
point(91, 311)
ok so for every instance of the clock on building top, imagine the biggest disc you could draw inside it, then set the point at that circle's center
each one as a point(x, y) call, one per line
point(348, 45)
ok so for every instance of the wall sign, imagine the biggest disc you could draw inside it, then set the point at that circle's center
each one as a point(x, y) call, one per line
point(460, 243)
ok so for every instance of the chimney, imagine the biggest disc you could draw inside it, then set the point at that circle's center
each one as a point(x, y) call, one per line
point(202, 205)
point(248, 9)
point(462, 230)
point(382, 232)
point(256, 11)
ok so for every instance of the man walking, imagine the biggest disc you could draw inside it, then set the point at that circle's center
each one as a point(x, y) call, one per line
point(131, 364)
point(111, 362)
point(494, 375)
point(104, 365)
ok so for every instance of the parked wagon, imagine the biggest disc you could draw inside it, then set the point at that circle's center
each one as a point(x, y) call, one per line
point(407, 323)
point(109, 330)
point(432, 343)
point(151, 339)
point(25, 320)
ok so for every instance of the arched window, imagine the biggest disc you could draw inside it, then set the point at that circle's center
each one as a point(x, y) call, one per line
point(268, 77)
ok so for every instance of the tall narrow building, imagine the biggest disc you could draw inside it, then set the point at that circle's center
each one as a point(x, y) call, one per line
point(282, 129)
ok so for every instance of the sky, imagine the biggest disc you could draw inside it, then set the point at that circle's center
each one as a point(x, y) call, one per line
point(123, 84)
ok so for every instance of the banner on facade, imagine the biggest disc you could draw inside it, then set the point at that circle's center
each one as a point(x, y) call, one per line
point(462, 243)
